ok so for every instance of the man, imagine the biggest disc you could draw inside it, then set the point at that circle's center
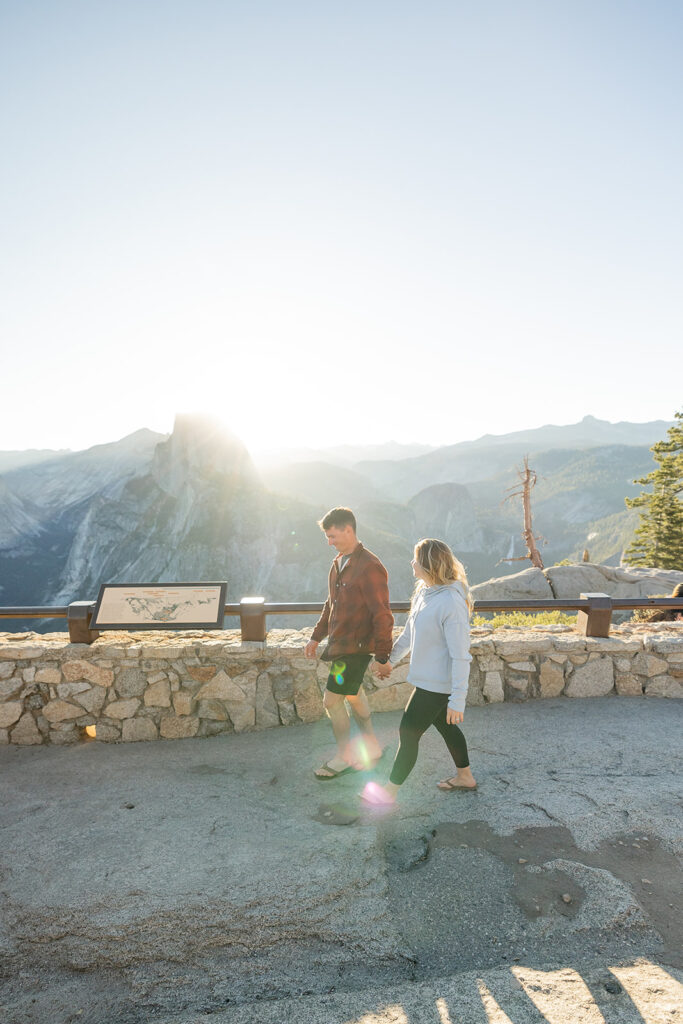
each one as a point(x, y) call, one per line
point(357, 621)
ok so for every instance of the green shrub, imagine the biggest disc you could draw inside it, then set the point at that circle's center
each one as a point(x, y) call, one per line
point(548, 618)
point(645, 614)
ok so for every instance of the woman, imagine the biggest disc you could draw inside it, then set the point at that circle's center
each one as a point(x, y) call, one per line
point(437, 634)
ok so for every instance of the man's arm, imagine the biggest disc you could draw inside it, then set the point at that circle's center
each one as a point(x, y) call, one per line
point(319, 631)
point(376, 593)
point(321, 627)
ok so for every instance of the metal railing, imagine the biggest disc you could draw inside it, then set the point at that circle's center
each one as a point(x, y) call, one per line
point(594, 612)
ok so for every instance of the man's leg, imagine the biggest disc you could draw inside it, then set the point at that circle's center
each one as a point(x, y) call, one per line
point(339, 720)
point(361, 712)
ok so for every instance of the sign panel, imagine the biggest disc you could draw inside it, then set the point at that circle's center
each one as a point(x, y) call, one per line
point(160, 606)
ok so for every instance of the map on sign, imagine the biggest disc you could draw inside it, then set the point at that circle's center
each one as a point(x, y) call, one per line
point(160, 606)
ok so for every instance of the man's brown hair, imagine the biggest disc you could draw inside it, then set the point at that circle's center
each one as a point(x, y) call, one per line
point(338, 517)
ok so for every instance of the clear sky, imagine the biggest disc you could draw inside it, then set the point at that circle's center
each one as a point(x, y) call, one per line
point(329, 222)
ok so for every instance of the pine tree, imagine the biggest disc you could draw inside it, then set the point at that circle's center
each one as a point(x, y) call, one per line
point(659, 537)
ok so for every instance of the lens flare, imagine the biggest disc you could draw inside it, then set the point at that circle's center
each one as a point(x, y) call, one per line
point(376, 795)
point(338, 670)
point(363, 754)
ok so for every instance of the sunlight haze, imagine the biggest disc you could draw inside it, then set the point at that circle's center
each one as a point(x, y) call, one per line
point(327, 224)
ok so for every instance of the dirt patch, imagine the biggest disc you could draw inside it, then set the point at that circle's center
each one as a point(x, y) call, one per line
point(465, 897)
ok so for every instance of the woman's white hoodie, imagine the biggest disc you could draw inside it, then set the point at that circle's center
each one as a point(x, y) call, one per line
point(437, 634)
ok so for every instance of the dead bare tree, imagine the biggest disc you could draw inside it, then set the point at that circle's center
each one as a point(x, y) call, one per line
point(528, 479)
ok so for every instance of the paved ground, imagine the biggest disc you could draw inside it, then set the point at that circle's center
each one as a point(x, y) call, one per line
point(203, 880)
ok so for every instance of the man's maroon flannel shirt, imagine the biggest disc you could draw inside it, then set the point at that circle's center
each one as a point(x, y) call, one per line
point(356, 616)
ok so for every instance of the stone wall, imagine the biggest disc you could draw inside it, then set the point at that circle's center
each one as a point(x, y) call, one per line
point(148, 686)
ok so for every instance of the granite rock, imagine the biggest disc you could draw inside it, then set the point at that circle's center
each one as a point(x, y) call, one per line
point(25, 732)
point(136, 730)
point(594, 679)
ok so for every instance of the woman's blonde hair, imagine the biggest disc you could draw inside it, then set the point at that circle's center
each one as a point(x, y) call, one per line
point(442, 567)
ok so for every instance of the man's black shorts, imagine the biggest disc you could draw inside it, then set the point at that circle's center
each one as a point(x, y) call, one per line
point(346, 673)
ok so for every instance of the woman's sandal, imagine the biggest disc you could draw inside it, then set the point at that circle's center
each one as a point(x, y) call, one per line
point(447, 786)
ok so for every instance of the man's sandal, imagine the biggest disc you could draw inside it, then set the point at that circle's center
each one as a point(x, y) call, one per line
point(334, 774)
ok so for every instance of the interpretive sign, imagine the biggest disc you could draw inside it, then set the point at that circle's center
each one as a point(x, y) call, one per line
point(160, 606)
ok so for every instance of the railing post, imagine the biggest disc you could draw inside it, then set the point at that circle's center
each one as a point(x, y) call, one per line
point(253, 618)
point(78, 616)
point(595, 620)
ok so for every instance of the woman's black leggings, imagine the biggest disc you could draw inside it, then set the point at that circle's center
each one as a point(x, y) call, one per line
point(422, 710)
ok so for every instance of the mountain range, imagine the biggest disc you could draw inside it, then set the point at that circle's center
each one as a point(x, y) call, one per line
point(196, 506)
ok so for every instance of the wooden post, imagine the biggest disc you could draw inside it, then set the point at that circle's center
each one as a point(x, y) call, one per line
point(595, 620)
point(253, 618)
point(78, 616)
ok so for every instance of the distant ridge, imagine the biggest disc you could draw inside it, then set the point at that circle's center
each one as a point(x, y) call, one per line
point(342, 455)
point(31, 457)
point(472, 461)
point(589, 432)
point(139, 439)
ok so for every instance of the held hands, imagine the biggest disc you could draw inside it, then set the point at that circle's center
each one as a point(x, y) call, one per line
point(310, 649)
point(381, 671)
point(453, 717)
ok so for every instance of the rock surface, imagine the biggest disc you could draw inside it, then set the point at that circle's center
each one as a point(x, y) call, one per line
point(567, 581)
point(198, 881)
